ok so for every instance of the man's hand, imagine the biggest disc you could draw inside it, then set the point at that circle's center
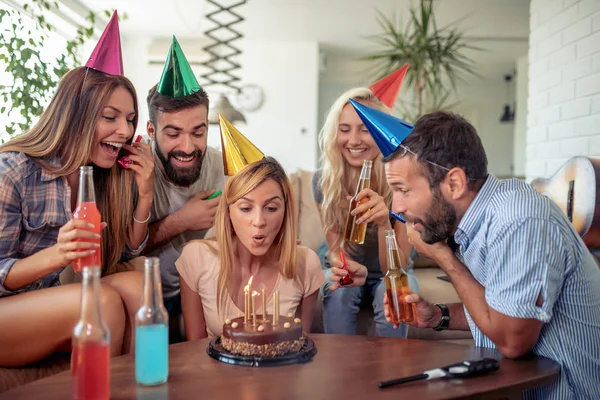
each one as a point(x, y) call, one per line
point(199, 214)
point(434, 251)
point(426, 315)
point(358, 272)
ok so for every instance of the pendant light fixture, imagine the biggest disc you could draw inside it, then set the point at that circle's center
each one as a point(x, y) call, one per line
point(221, 63)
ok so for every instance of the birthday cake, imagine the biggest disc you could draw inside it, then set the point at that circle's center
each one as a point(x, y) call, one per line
point(263, 339)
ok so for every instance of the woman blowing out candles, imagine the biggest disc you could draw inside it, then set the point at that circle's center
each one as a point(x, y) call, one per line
point(255, 237)
point(346, 145)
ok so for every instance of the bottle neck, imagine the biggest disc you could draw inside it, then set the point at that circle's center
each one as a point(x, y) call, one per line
point(362, 184)
point(90, 297)
point(364, 180)
point(85, 193)
point(152, 285)
point(392, 251)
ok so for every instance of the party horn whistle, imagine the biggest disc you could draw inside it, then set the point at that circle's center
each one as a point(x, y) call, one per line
point(212, 196)
point(346, 279)
point(465, 369)
point(124, 161)
point(398, 217)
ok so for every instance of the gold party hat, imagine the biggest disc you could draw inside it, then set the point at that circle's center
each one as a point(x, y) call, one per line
point(237, 150)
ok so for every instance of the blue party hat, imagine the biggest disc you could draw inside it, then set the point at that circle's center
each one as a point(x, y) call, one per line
point(388, 131)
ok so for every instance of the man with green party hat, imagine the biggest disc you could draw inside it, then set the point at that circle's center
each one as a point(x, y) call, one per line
point(188, 174)
point(526, 280)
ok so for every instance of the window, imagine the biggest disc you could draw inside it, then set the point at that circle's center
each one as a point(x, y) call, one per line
point(53, 47)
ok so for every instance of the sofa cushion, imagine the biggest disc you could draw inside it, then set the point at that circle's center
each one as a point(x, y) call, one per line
point(14, 377)
point(310, 231)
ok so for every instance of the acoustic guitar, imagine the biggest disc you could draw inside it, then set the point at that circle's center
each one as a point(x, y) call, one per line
point(575, 188)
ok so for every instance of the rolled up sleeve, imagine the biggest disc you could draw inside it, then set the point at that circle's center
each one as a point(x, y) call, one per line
point(10, 230)
point(519, 274)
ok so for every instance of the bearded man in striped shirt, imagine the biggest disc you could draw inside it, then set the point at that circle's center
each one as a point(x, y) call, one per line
point(526, 279)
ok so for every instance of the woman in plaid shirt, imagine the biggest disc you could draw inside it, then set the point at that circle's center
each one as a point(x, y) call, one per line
point(91, 118)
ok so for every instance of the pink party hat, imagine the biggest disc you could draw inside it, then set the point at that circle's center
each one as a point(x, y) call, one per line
point(107, 57)
point(386, 89)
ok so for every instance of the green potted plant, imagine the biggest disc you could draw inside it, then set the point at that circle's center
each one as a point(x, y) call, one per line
point(436, 57)
point(32, 82)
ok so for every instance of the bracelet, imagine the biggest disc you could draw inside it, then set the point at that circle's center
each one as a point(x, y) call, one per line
point(445, 321)
point(142, 222)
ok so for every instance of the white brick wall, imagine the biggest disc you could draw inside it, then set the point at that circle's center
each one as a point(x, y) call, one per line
point(564, 84)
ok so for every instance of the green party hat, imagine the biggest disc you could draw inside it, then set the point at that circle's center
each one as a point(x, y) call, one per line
point(177, 79)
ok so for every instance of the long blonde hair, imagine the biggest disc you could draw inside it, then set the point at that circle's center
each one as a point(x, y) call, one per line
point(237, 187)
point(338, 178)
point(67, 130)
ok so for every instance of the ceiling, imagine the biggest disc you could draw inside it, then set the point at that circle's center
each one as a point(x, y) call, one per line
point(501, 27)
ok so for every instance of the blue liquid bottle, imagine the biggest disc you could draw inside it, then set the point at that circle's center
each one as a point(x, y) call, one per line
point(152, 330)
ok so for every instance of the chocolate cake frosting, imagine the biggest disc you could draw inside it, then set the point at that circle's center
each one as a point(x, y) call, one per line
point(264, 339)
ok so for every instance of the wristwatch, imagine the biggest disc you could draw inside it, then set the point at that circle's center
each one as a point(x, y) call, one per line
point(445, 321)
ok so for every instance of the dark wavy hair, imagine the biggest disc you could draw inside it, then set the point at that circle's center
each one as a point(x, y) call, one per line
point(449, 140)
point(158, 102)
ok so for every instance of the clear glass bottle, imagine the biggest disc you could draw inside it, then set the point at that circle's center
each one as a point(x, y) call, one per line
point(86, 210)
point(152, 330)
point(356, 233)
point(90, 357)
point(396, 282)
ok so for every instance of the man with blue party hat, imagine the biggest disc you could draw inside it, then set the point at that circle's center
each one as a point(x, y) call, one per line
point(387, 131)
point(527, 282)
point(188, 174)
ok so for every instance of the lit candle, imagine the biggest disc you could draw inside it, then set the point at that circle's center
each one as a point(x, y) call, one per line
point(254, 293)
point(276, 307)
point(264, 302)
point(247, 301)
point(246, 306)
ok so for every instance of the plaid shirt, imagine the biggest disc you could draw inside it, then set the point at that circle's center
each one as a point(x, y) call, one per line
point(34, 205)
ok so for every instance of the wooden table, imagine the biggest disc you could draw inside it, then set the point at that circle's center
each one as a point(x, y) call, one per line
point(345, 367)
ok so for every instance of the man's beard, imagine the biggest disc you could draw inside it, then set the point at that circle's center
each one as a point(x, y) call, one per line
point(181, 176)
point(439, 222)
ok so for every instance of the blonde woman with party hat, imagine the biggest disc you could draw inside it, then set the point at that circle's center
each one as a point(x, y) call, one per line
point(255, 237)
point(345, 144)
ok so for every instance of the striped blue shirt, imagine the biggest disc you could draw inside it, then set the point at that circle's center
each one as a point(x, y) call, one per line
point(518, 245)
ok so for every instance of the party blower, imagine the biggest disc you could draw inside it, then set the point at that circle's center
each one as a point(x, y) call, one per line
point(346, 279)
point(397, 217)
point(465, 369)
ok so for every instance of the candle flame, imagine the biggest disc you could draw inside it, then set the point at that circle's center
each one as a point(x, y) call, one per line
point(254, 293)
point(247, 287)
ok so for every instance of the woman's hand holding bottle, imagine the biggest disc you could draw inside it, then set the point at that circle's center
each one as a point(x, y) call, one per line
point(372, 209)
point(71, 245)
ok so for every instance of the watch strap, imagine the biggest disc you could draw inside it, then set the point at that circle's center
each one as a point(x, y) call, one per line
point(445, 321)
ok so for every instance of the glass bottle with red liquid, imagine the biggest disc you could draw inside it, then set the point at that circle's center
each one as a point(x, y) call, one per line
point(396, 283)
point(90, 358)
point(86, 210)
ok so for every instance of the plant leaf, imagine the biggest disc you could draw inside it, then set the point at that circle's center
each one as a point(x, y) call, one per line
point(436, 55)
